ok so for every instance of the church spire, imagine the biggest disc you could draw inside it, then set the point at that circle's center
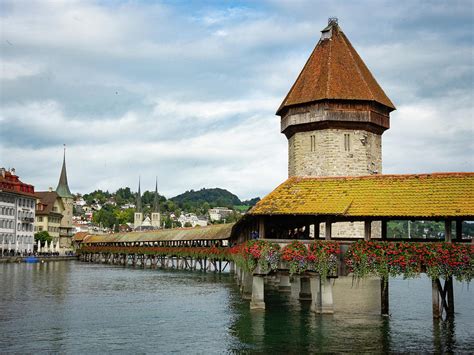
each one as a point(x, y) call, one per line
point(156, 203)
point(63, 188)
point(139, 198)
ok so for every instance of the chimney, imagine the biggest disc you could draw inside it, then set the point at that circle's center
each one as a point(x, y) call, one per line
point(50, 189)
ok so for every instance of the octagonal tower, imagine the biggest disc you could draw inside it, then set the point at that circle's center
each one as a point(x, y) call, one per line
point(335, 113)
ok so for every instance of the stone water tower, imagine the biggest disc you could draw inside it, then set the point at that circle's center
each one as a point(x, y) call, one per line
point(334, 115)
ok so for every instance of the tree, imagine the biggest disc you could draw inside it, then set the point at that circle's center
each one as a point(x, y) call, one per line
point(124, 216)
point(105, 217)
point(43, 237)
point(188, 224)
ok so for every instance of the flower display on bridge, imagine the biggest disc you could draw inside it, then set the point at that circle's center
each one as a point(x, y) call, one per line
point(259, 253)
point(323, 257)
point(211, 253)
point(363, 258)
point(409, 259)
point(296, 255)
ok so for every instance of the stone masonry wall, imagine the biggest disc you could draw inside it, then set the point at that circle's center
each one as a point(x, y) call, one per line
point(325, 153)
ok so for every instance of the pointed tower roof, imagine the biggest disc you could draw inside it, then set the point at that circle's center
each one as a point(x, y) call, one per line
point(63, 188)
point(156, 201)
point(334, 71)
point(139, 198)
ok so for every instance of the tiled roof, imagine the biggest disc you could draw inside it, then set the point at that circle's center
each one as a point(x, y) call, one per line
point(9, 182)
point(335, 71)
point(212, 232)
point(426, 195)
point(47, 198)
point(79, 236)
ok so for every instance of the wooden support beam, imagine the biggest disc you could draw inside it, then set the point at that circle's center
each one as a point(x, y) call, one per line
point(458, 230)
point(328, 230)
point(384, 230)
point(316, 229)
point(261, 228)
point(367, 230)
point(435, 299)
point(447, 230)
point(448, 286)
point(384, 296)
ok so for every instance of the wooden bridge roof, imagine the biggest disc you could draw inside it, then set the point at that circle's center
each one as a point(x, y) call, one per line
point(213, 232)
point(385, 196)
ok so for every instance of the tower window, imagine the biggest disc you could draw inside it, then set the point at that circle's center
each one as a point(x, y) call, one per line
point(313, 143)
point(347, 142)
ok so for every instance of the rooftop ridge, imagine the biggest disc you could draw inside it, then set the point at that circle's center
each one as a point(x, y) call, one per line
point(382, 176)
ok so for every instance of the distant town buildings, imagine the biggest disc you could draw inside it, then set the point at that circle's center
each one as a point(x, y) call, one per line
point(139, 223)
point(190, 219)
point(219, 213)
point(17, 214)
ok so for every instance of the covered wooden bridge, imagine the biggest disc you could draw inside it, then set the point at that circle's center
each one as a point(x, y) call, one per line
point(312, 208)
point(301, 203)
point(306, 209)
point(183, 248)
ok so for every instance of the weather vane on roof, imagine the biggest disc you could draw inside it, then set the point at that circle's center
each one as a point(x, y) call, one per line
point(332, 21)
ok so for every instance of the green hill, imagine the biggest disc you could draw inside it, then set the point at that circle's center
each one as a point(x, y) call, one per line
point(214, 197)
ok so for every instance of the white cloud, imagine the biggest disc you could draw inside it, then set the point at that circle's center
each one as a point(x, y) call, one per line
point(14, 70)
point(189, 93)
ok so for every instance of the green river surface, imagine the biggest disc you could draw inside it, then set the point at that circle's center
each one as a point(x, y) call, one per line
point(80, 308)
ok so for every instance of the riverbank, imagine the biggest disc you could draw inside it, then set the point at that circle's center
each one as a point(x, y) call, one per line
point(41, 259)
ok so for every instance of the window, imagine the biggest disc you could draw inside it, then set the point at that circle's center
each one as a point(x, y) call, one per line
point(40, 219)
point(313, 143)
point(347, 142)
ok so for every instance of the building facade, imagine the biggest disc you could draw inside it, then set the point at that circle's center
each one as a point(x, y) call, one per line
point(334, 116)
point(49, 213)
point(17, 214)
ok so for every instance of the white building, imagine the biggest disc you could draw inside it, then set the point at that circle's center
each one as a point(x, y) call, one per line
point(219, 213)
point(17, 214)
point(192, 219)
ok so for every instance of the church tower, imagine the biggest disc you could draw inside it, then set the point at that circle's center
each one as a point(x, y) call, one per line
point(155, 214)
point(138, 216)
point(334, 116)
point(66, 228)
point(335, 113)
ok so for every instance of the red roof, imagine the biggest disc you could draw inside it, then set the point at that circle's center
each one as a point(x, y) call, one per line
point(335, 71)
point(9, 182)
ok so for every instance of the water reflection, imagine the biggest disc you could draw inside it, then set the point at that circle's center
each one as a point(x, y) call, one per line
point(444, 335)
point(74, 307)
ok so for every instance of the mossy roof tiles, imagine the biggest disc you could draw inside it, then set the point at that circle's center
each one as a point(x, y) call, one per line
point(421, 195)
point(335, 71)
point(213, 232)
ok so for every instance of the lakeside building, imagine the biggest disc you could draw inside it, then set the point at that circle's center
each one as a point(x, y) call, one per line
point(49, 213)
point(57, 205)
point(334, 116)
point(17, 214)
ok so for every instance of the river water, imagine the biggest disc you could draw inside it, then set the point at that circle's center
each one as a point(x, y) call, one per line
point(74, 307)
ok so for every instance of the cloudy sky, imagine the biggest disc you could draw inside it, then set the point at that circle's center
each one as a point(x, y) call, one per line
point(187, 90)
